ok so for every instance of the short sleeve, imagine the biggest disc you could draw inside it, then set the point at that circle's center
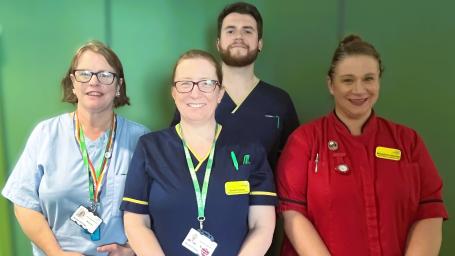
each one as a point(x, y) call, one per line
point(292, 174)
point(23, 184)
point(137, 185)
point(431, 203)
point(290, 122)
point(262, 187)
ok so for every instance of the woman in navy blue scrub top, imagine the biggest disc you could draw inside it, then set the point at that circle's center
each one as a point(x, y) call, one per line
point(194, 188)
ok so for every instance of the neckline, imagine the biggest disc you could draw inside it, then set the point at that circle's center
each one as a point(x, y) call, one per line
point(236, 108)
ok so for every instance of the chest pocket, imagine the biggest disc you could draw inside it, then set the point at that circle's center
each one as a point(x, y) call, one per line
point(117, 187)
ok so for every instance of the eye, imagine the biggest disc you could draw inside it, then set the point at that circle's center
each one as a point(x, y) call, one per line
point(369, 78)
point(347, 80)
point(105, 74)
point(84, 73)
point(186, 83)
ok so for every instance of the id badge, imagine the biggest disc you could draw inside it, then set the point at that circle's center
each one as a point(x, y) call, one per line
point(86, 219)
point(198, 243)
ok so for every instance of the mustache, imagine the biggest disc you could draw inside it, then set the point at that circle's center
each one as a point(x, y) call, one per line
point(237, 45)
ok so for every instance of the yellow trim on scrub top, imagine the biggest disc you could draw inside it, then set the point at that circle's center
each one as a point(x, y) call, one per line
point(262, 193)
point(127, 199)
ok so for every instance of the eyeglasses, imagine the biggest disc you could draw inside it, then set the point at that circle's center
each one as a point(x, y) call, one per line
point(104, 77)
point(203, 85)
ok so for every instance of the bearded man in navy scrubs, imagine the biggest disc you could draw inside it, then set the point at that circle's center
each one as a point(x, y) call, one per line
point(251, 109)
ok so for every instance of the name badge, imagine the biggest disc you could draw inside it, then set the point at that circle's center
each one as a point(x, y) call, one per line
point(240, 187)
point(198, 243)
point(86, 219)
point(388, 153)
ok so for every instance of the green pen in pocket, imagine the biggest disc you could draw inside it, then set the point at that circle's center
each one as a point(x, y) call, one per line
point(234, 161)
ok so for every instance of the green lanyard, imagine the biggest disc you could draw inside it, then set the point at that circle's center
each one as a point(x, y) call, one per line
point(201, 195)
point(95, 175)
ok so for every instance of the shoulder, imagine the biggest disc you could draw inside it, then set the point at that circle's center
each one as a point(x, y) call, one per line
point(131, 126)
point(159, 137)
point(273, 92)
point(52, 125)
point(311, 129)
point(405, 133)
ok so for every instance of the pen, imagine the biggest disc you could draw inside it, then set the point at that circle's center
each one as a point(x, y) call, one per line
point(234, 161)
point(316, 161)
point(277, 119)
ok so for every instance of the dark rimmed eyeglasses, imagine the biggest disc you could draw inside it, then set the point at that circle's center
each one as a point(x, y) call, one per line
point(203, 85)
point(104, 77)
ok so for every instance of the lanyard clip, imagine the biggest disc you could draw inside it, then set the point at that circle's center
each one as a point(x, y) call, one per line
point(201, 221)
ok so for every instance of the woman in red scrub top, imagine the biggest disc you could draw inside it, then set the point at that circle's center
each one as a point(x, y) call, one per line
point(353, 183)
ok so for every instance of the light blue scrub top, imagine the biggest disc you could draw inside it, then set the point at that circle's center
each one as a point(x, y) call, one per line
point(50, 177)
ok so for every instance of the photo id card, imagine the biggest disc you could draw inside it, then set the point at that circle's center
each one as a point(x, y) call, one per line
point(86, 219)
point(198, 243)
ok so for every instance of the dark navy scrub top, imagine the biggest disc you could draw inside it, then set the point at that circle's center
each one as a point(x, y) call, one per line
point(159, 184)
point(267, 115)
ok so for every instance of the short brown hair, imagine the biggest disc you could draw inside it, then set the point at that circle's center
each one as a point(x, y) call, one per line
point(195, 54)
point(111, 58)
point(354, 45)
point(242, 8)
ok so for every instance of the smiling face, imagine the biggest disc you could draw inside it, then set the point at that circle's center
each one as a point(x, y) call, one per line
point(239, 41)
point(93, 96)
point(196, 106)
point(355, 86)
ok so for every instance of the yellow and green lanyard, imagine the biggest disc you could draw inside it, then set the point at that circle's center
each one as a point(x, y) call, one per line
point(201, 195)
point(96, 176)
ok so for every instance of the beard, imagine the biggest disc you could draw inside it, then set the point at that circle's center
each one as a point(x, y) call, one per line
point(238, 61)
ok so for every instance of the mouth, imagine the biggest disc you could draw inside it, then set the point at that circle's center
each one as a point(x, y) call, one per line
point(95, 93)
point(195, 105)
point(243, 46)
point(358, 102)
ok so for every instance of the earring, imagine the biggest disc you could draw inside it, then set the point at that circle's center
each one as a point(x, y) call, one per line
point(117, 94)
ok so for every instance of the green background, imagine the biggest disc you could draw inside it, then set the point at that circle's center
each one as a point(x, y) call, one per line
point(415, 38)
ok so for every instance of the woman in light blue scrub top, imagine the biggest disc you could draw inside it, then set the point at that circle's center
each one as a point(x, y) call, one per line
point(67, 185)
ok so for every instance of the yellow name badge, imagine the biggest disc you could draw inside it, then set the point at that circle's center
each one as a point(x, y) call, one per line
point(240, 187)
point(388, 153)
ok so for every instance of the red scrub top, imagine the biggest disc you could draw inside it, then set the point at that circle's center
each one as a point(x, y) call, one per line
point(360, 198)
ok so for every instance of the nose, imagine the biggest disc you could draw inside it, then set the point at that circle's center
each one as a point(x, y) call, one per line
point(93, 80)
point(195, 93)
point(358, 87)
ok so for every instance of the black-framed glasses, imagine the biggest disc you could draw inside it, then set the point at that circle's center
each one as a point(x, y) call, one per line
point(203, 85)
point(104, 77)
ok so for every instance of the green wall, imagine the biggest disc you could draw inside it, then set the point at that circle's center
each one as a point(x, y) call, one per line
point(416, 40)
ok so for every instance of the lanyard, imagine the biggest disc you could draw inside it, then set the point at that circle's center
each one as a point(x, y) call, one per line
point(95, 175)
point(201, 195)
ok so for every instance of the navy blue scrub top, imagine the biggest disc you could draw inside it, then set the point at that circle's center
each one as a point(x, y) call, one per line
point(267, 115)
point(159, 184)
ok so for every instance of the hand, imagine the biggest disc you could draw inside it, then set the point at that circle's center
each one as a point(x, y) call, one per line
point(116, 250)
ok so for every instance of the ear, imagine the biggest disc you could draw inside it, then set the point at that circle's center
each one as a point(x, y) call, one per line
point(73, 79)
point(173, 92)
point(220, 94)
point(218, 44)
point(120, 82)
point(260, 45)
point(330, 84)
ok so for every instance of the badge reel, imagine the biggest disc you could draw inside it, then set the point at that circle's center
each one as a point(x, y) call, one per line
point(341, 168)
point(87, 220)
point(200, 242)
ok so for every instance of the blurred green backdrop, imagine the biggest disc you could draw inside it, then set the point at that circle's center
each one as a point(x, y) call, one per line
point(38, 38)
